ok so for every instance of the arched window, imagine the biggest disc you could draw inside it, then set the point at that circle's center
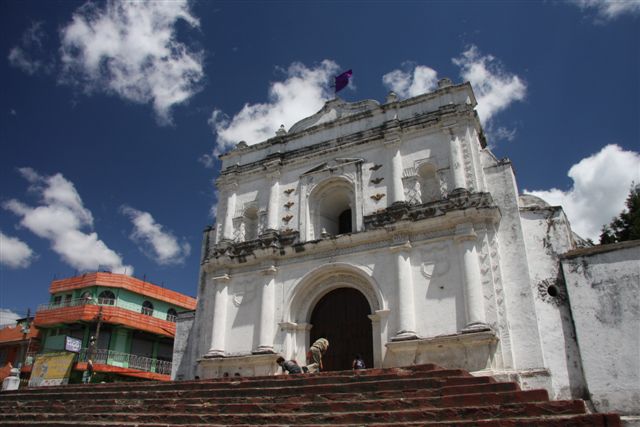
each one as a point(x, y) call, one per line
point(147, 308)
point(172, 314)
point(106, 298)
point(429, 184)
point(331, 209)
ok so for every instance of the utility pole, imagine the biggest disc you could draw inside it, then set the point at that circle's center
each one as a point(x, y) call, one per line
point(26, 328)
point(93, 345)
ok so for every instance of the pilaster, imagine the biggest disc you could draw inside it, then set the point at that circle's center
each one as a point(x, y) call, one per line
point(406, 307)
point(267, 312)
point(218, 334)
point(466, 239)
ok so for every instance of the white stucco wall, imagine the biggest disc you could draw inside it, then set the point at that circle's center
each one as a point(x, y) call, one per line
point(547, 234)
point(603, 284)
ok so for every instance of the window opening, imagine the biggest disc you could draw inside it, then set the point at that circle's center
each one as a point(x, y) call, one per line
point(147, 308)
point(344, 222)
point(106, 298)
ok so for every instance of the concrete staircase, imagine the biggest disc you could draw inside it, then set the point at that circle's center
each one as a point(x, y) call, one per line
point(412, 396)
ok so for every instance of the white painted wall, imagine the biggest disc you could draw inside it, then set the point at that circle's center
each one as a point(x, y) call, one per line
point(603, 284)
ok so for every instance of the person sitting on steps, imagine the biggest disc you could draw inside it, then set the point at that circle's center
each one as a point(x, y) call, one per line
point(358, 362)
point(289, 366)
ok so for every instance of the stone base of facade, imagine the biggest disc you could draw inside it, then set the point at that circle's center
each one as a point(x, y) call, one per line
point(245, 366)
point(472, 351)
point(527, 379)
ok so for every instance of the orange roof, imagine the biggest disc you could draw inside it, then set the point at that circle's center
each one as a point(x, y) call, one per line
point(123, 281)
point(14, 333)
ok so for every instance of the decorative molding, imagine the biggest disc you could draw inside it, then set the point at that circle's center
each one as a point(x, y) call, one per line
point(269, 271)
point(461, 200)
point(406, 246)
point(287, 218)
point(377, 180)
point(409, 172)
point(375, 167)
point(377, 197)
point(289, 204)
point(289, 191)
point(222, 278)
point(436, 261)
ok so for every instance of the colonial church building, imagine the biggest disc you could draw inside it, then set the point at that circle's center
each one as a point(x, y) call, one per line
point(394, 232)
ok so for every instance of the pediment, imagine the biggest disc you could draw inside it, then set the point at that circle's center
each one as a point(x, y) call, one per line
point(332, 165)
point(333, 110)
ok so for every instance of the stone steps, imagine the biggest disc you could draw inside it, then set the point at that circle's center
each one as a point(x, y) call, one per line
point(337, 403)
point(419, 395)
point(402, 383)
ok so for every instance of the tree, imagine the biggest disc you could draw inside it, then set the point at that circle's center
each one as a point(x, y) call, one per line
point(625, 226)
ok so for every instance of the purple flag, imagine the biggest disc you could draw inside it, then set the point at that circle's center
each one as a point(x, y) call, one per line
point(343, 80)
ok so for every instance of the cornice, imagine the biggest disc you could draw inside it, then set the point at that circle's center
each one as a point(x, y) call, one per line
point(390, 131)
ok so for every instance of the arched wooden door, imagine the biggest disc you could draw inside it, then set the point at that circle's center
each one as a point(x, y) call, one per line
point(341, 316)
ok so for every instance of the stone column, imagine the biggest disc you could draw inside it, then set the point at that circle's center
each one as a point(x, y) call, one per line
point(456, 161)
point(227, 231)
point(267, 312)
point(219, 327)
point(274, 199)
point(406, 307)
point(473, 293)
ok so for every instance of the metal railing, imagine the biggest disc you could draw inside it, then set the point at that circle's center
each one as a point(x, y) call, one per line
point(116, 358)
point(76, 302)
point(126, 360)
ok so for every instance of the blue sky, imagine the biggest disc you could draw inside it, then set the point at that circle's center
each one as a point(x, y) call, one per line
point(112, 114)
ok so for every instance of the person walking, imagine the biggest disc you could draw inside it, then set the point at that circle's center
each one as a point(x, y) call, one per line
point(88, 373)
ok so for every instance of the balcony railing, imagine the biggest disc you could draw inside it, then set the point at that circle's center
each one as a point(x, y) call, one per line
point(116, 358)
point(126, 360)
point(107, 302)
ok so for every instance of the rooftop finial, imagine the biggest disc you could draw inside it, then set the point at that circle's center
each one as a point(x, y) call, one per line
point(444, 82)
point(281, 131)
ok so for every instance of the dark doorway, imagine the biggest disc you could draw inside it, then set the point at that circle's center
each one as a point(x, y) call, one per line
point(341, 316)
point(344, 222)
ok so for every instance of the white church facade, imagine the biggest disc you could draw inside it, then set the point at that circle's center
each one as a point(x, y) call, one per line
point(393, 231)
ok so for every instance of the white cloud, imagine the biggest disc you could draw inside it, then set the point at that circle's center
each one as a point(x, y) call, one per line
point(8, 317)
point(407, 84)
point(130, 49)
point(601, 183)
point(610, 9)
point(301, 94)
point(28, 54)
point(61, 219)
point(14, 253)
point(504, 133)
point(158, 244)
point(495, 88)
